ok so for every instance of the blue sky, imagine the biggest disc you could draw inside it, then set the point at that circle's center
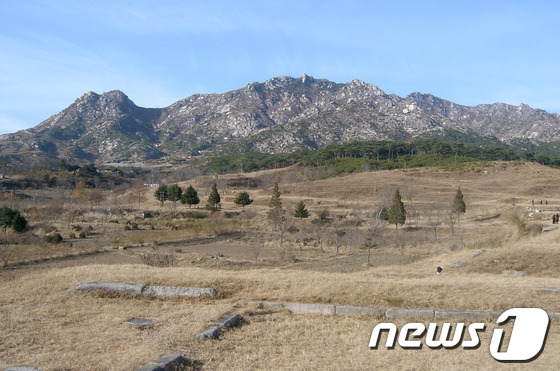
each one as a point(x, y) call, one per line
point(157, 52)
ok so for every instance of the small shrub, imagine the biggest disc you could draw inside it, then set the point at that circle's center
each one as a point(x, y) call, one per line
point(54, 238)
point(82, 234)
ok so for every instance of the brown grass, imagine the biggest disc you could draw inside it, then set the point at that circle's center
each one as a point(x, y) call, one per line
point(45, 323)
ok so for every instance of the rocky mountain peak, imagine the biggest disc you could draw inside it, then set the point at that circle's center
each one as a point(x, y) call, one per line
point(280, 115)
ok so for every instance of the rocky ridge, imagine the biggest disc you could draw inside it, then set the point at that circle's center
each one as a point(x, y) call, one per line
point(280, 115)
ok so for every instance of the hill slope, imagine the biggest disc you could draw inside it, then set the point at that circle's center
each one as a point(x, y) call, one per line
point(280, 115)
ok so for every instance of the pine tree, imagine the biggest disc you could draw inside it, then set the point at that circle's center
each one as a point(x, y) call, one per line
point(458, 205)
point(214, 199)
point(397, 212)
point(174, 193)
point(275, 202)
point(276, 212)
point(243, 199)
point(190, 197)
point(161, 193)
point(300, 211)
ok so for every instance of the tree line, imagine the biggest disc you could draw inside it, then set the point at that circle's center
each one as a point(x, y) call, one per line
point(381, 155)
point(174, 193)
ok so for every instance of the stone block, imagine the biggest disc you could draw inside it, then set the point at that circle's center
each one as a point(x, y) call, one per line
point(271, 304)
point(464, 315)
point(344, 310)
point(171, 361)
point(300, 308)
point(111, 287)
point(166, 362)
point(397, 313)
point(229, 321)
point(141, 323)
point(549, 289)
point(167, 292)
point(210, 334)
point(514, 273)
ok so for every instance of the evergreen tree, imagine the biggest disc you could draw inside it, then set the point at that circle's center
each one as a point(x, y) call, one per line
point(275, 202)
point(174, 193)
point(397, 213)
point(190, 197)
point(243, 199)
point(12, 218)
point(276, 212)
point(19, 223)
point(214, 199)
point(7, 216)
point(161, 193)
point(301, 211)
point(458, 206)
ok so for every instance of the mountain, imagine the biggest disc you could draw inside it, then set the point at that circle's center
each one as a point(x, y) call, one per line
point(282, 114)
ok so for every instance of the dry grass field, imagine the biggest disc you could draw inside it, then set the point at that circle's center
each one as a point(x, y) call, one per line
point(44, 322)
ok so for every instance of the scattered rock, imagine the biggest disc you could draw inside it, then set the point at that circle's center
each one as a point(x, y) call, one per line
point(141, 323)
point(228, 321)
point(478, 252)
point(169, 362)
point(459, 263)
point(514, 273)
point(210, 334)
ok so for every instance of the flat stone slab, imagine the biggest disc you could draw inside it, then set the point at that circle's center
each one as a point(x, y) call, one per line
point(140, 323)
point(210, 334)
point(466, 315)
point(398, 313)
point(299, 308)
point(111, 287)
point(168, 292)
point(270, 304)
point(139, 289)
point(458, 263)
point(23, 368)
point(345, 310)
point(549, 289)
point(514, 273)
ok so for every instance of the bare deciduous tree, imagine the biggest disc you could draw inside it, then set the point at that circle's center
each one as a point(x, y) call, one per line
point(435, 214)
